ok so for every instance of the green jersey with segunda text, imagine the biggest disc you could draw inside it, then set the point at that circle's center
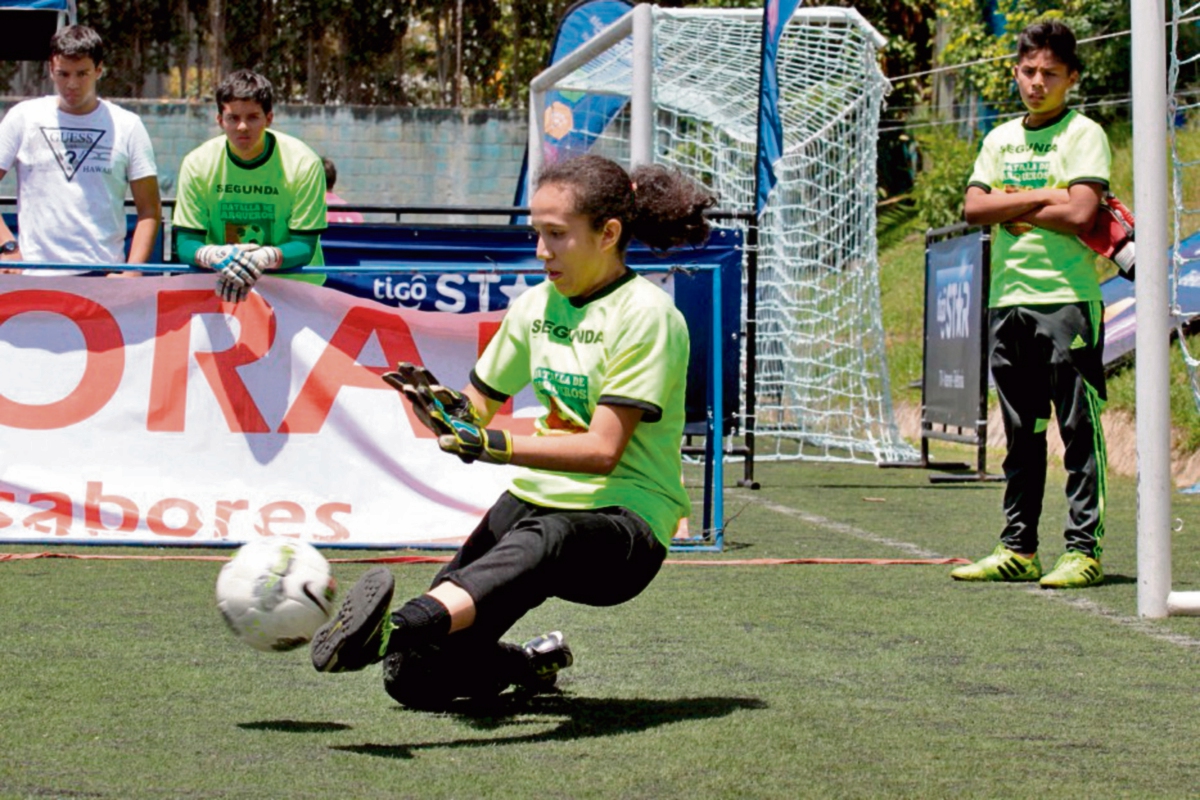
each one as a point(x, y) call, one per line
point(261, 201)
point(625, 345)
point(1032, 265)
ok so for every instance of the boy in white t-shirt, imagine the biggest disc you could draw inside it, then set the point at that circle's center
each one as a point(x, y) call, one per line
point(74, 155)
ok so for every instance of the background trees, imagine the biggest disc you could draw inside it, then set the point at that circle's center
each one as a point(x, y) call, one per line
point(482, 53)
point(434, 53)
point(477, 53)
point(948, 56)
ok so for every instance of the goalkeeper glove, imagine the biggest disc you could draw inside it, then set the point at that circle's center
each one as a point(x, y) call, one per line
point(266, 259)
point(451, 417)
point(235, 267)
point(217, 256)
point(471, 442)
point(409, 377)
point(1112, 235)
point(234, 284)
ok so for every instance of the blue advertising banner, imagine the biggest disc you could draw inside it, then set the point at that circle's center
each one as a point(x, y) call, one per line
point(52, 5)
point(462, 254)
point(955, 311)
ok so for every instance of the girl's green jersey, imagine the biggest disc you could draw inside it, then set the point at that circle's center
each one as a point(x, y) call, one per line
point(626, 345)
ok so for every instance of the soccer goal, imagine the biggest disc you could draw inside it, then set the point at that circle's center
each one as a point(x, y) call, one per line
point(688, 81)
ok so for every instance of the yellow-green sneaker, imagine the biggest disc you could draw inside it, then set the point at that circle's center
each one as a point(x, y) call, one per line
point(1073, 570)
point(1002, 565)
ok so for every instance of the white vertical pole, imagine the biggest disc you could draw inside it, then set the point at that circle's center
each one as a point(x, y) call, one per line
point(537, 110)
point(1149, 84)
point(641, 100)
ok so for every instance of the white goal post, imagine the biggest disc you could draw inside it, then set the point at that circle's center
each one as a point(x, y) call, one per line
point(690, 83)
point(1155, 304)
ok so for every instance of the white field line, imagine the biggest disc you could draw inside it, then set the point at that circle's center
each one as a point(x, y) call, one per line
point(1075, 601)
point(817, 520)
point(1142, 626)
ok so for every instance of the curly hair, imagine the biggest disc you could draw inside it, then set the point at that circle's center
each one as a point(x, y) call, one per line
point(658, 206)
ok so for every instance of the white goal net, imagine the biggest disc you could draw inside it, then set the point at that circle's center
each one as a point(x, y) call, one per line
point(1185, 189)
point(822, 389)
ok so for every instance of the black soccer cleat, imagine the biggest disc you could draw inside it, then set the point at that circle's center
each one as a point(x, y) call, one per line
point(547, 655)
point(357, 635)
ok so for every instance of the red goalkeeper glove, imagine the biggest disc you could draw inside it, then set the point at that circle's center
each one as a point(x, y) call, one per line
point(1112, 235)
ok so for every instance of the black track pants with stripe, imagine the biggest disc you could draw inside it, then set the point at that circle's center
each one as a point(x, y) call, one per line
point(1043, 356)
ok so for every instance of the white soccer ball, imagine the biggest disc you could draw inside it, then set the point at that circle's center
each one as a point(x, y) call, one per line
point(275, 593)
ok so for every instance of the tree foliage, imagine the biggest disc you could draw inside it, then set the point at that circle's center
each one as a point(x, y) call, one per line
point(393, 52)
point(423, 52)
point(984, 42)
point(480, 53)
point(939, 187)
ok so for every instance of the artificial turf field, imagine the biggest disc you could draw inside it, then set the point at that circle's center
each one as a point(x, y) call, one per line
point(119, 679)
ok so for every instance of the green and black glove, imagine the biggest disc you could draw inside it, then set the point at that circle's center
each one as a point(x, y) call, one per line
point(451, 416)
point(409, 378)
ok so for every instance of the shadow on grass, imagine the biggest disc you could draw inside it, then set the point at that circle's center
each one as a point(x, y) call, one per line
point(292, 726)
point(584, 718)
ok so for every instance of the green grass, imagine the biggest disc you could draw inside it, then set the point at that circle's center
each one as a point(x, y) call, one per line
point(786, 681)
point(902, 286)
point(1185, 418)
point(719, 681)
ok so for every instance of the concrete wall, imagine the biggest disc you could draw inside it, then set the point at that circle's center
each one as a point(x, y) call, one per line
point(402, 156)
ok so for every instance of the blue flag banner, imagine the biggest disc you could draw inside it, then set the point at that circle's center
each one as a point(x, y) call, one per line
point(578, 117)
point(776, 13)
point(28, 25)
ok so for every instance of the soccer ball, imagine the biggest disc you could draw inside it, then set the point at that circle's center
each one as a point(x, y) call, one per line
point(275, 593)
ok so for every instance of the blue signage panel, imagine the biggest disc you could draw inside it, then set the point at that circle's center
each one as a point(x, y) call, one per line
point(954, 324)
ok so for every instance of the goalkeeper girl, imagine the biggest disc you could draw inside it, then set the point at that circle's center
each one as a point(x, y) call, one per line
point(589, 516)
point(1040, 180)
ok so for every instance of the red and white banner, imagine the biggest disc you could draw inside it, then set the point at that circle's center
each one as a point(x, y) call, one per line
point(147, 411)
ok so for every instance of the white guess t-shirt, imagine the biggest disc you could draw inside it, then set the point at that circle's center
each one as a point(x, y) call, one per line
point(73, 171)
